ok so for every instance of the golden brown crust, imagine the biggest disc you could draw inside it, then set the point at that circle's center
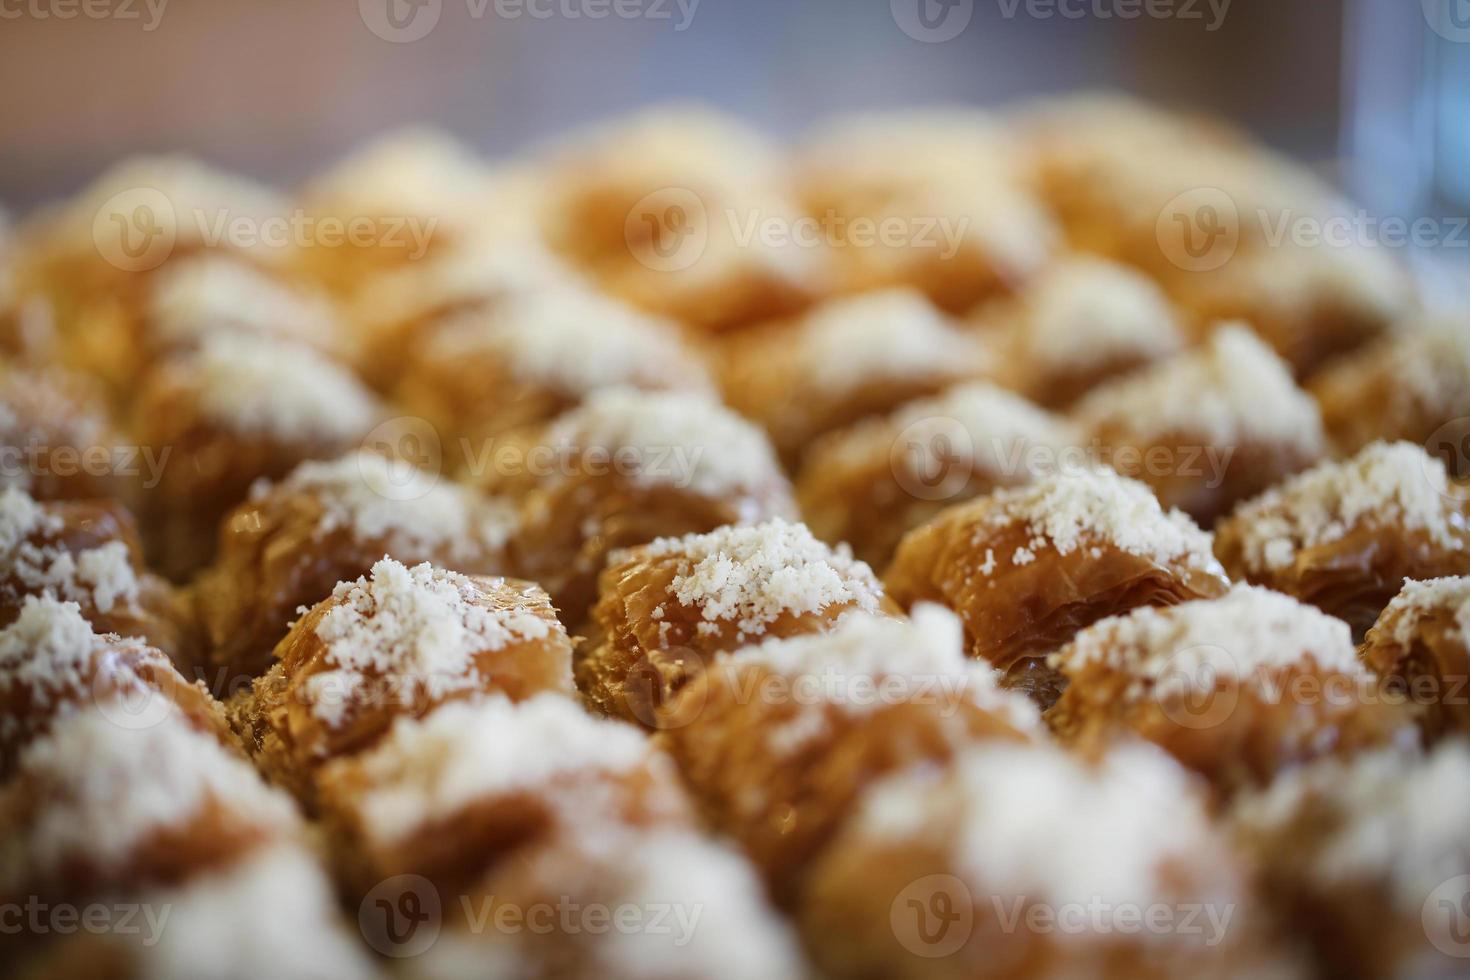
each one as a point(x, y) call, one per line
point(60, 425)
point(1421, 652)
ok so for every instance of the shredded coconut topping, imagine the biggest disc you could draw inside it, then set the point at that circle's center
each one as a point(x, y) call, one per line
point(465, 752)
point(110, 785)
point(894, 333)
point(1080, 506)
point(380, 499)
point(210, 292)
point(1084, 311)
point(683, 439)
point(577, 341)
point(422, 624)
point(1246, 632)
point(273, 914)
point(283, 390)
point(1402, 819)
point(49, 651)
point(1033, 820)
point(102, 577)
point(752, 574)
point(1233, 388)
point(1419, 599)
point(1396, 484)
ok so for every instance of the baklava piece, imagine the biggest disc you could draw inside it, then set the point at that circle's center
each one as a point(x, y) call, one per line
point(1420, 646)
point(1080, 322)
point(1237, 689)
point(778, 741)
point(233, 411)
point(669, 210)
point(1027, 568)
point(1344, 536)
point(397, 312)
point(627, 467)
point(54, 665)
point(848, 358)
point(1369, 860)
point(451, 796)
point(271, 914)
point(533, 356)
point(667, 609)
point(411, 196)
point(930, 200)
point(1413, 385)
point(1311, 303)
point(1020, 861)
point(678, 907)
point(1208, 428)
point(97, 808)
point(396, 645)
point(871, 483)
point(60, 440)
point(289, 545)
point(87, 552)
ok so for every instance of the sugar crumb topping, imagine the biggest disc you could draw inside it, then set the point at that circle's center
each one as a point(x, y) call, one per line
point(1233, 388)
point(467, 751)
point(1395, 484)
point(381, 499)
point(892, 333)
point(1033, 820)
point(1400, 818)
point(111, 785)
point(1416, 600)
point(33, 554)
point(1242, 634)
point(576, 340)
point(50, 650)
point(684, 439)
point(194, 296)
point(1083, 505)
point(422, 624)
point(752, 574)
point(283, 390)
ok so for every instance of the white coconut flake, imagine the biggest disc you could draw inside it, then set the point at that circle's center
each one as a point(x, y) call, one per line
point(423, 625)
point(32, 552)
point(1397, 485)
point(1416, 600)
point(196, 296)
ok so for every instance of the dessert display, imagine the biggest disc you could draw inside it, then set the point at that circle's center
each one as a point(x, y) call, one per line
point(1367, 857)
point(396, 643)
point(1238, 688)
point(624, 468)
point(1420, 646)
point(778, 741)
point(667, 609)
point(1126, 317)
point(1209, 427)
point(330, 521)
point(1344, 536)
point(848, 358)
point(869, 484)
point(951, 544)
point(1026, 568)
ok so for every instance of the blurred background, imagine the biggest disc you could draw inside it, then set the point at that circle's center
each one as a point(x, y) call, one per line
point(1374, 92)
